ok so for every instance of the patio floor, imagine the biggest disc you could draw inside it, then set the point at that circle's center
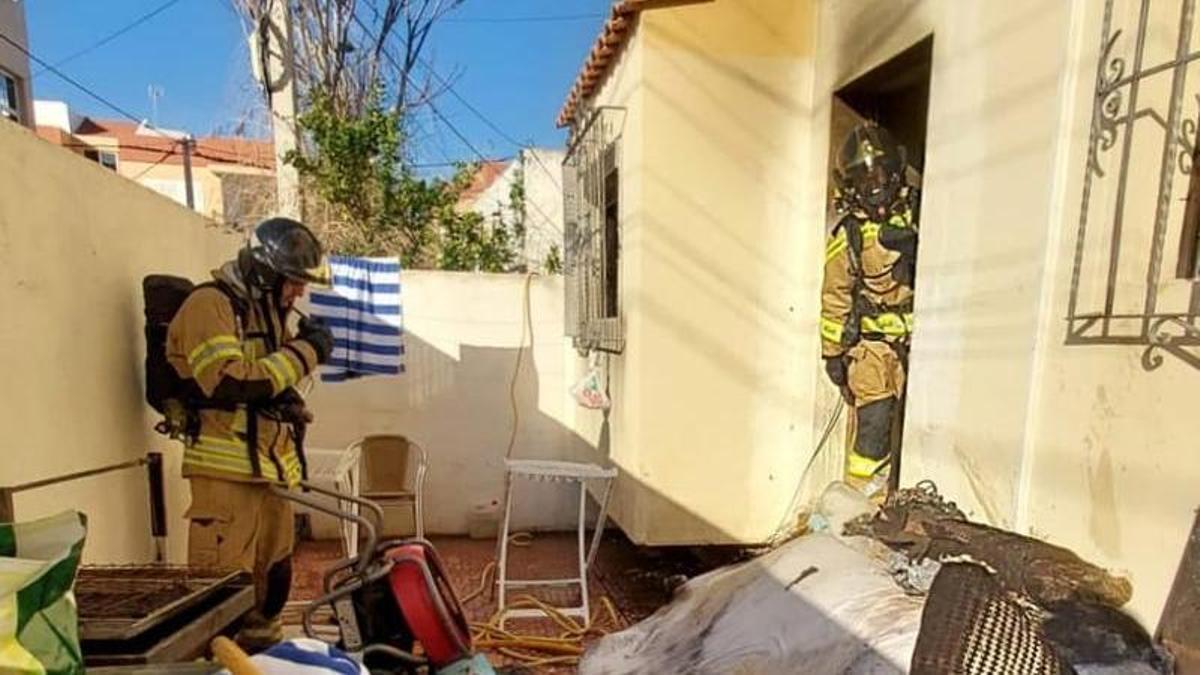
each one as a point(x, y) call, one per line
point(638, 581)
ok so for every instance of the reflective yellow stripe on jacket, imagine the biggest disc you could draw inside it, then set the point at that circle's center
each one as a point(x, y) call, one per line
point(213, 350)
point(209, 453)
point(279, 367)
point(891, 324)
point(862, 467)
point(870, 232)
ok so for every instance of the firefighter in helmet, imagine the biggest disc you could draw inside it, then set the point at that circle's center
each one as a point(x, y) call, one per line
point(866, 297)
point(233, 339)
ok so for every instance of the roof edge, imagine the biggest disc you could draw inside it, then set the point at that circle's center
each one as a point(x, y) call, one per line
point(611, 42)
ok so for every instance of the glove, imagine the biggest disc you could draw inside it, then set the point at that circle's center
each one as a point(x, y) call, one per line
point(835, 368)
point(291, 407)
point(317, 334)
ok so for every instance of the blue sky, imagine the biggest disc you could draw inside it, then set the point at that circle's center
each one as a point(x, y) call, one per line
point(515, 71)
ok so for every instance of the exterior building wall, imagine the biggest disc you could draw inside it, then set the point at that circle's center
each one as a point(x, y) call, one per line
point(711, 403)
point(719, 400)
point(15, 63)
point(1080, 444)
point(540, 172)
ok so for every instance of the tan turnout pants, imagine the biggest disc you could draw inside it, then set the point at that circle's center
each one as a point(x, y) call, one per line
point(239, 526)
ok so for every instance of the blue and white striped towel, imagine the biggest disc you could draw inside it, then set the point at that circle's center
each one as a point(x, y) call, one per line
point(363, 311)
point(304, 656)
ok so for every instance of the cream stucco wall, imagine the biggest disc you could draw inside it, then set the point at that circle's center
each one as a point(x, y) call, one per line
point(1110, 469)
point(611, 432)
point(995, 108)
point(719, 399)
point(712, 405)
point(1068, 443)
point(462, 338)
point(75, 242)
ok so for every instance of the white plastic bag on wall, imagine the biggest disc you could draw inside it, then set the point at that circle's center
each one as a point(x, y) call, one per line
point(589, 391)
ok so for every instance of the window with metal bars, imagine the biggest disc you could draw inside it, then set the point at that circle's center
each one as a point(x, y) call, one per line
point(1141, 187)
point(592, 202)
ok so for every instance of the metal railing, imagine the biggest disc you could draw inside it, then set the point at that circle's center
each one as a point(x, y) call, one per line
point(154, 475)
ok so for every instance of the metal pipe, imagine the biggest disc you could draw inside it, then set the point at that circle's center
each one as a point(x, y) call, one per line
point(318, 505)
point(75, 476)
point(394, 652)
point(371, 505)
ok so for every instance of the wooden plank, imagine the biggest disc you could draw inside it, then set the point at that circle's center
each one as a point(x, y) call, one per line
point(1179, 626)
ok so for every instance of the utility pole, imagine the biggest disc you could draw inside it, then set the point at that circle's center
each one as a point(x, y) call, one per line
point(188, 144)
point(274, 55)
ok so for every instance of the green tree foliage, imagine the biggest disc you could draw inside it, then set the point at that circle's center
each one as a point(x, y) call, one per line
point(371, 203)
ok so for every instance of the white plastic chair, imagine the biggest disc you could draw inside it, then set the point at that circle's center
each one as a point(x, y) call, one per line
point(392, 471)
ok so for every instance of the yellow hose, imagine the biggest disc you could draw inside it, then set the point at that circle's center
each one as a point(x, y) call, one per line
point(232, 657)
point(534, 651)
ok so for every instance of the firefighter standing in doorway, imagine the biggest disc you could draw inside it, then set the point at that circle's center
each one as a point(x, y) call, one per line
point(866, 297)
point(232, 338)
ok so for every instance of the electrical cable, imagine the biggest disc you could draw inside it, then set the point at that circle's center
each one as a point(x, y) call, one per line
point(485, 119)
point(114, 35)
point(786, 529)
point(527, 19)
point(455, 130)
point(526, 329)
point(75, 83)
point(167, 153)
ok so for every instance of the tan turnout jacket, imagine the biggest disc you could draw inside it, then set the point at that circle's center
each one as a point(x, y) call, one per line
point(259, 359)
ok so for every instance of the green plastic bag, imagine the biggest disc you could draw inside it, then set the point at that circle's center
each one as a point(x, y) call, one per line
point(39, 626)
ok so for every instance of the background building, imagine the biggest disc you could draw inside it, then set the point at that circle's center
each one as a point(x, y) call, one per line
point(16, 94)
point(232, 178)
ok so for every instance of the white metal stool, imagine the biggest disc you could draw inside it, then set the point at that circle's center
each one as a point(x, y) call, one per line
point(552, 471)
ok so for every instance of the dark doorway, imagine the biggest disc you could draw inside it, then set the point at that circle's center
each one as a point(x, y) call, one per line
point(896, 96)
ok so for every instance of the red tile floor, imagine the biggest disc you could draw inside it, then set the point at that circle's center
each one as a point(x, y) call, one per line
point(638, 581)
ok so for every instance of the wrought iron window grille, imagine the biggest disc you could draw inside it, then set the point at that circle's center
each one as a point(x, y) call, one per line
point(593, 308)
point(1127, 120)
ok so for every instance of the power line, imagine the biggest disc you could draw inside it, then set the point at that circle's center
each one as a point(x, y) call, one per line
point(527, 19)
point(457, 133)
point(115, 34)
point(74, 83)
point(484, 118)
point(145, 171)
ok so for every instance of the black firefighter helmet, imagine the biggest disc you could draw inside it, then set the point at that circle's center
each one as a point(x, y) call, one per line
point(286, 249)
point(870, 169)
